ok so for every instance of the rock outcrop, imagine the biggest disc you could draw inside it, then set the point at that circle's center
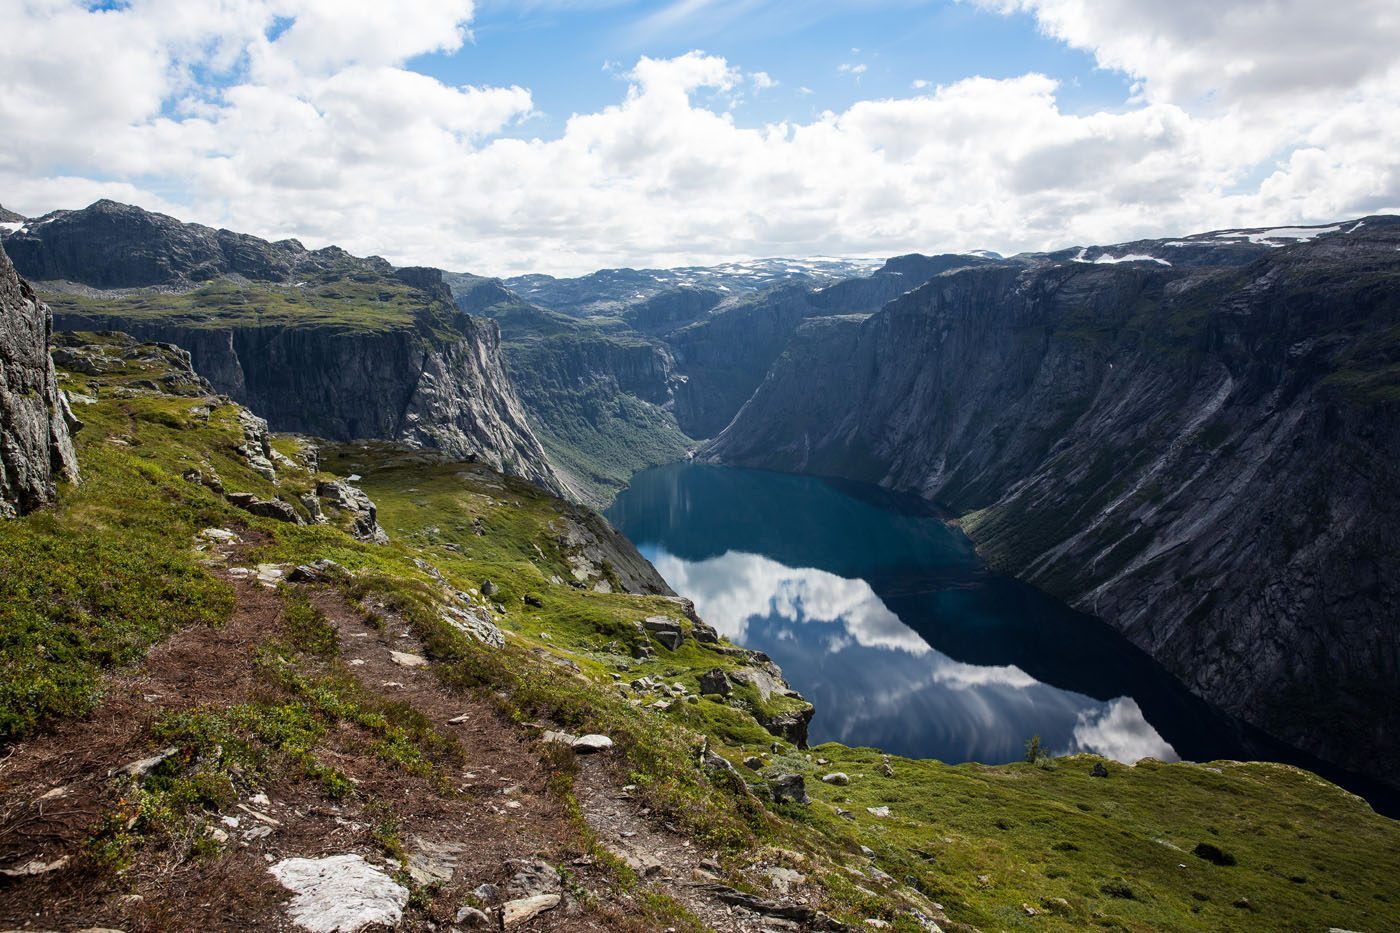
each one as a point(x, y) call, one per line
point(36, 449)
point(112, 245)
point(1205, 456)
point(318, 342)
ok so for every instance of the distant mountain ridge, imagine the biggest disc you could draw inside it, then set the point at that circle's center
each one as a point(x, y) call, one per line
point(609, 290)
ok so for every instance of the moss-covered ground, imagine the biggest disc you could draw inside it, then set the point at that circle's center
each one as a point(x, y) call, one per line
point(349, 302)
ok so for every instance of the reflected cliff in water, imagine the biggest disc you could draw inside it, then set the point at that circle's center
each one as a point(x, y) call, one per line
point(885, 618)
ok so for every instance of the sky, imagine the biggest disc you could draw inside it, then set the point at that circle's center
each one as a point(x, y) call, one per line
point(562, 136)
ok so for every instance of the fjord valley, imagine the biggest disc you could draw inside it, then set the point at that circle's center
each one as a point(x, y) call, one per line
point(951, 592)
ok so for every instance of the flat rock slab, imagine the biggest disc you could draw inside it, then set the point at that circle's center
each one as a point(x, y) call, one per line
point(527, 908)
point(589, 744)
point(340, 893)
point(405, 659)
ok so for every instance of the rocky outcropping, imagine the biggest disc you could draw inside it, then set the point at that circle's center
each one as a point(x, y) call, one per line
point(36, 449)
point(724, 356)
point(112, 245)
point(366, 351)
point(1205, 456)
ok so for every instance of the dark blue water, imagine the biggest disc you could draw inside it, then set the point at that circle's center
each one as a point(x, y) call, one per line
point(884, 617)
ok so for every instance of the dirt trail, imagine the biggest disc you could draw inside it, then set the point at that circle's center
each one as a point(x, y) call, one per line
point(496, 814)
point(57, 787)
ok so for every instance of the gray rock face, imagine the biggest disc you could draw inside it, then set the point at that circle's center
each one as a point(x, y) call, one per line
point(36, 448)
point(112, 245)
point(440, 385)
point(1207, 457)
point(436, 380)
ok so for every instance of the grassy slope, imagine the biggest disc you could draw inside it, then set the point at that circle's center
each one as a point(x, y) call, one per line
point(984, 842)
point(346, 302)
point(597, 434)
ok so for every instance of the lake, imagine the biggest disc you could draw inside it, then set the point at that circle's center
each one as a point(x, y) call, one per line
point(884, 617)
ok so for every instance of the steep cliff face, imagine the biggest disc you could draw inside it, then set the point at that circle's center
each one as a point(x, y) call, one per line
point(35, 447)
point(438, 384)
point(725, 355)
point(1205, 456)
point(601, 404)
point(319, 342)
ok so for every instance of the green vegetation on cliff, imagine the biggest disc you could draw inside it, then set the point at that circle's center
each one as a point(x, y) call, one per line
point(360, 302)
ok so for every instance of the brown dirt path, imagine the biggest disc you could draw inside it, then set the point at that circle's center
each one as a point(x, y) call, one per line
point(55, 788)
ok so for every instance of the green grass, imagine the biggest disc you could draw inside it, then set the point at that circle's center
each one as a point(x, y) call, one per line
point(351, 303)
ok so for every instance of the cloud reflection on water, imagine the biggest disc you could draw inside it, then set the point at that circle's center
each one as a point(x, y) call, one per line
point(875, 681)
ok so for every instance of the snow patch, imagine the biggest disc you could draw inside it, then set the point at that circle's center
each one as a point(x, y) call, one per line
point(1131, 257)
point(1107, 259)
point(1267, 237)
point(11, 226)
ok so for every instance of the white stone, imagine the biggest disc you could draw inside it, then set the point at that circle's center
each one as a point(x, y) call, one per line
point(406, 659)
point(526, 908)
point(878, 811)
point(588, 744)
point(340, 893)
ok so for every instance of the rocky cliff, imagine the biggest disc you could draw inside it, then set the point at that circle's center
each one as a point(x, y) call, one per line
point(1203, 454)
point(725, 355)
point(35, 447)
point(320, 342)
point(112, 245)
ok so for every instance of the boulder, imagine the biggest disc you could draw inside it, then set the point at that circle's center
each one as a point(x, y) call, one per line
point(352, 502)
point(789, 787)
point(1098, 770)
point(473, 919)
point(266, 508)
point(340, 893)
point(839, 778)
point(592, 743)
point(715, 681)
point(534, 877)
point(665, 630)
point(527, 908)
point(318, 571)
point(476, 623)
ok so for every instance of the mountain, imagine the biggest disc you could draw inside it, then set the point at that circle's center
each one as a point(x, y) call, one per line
point(627, 367)
point(34, 415)
point(610, 291)
point(320, 341)
point(1197, 440)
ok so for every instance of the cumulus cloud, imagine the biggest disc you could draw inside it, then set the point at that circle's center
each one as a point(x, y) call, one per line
point(306, 118)
point(735, 588)
point(1119, 731)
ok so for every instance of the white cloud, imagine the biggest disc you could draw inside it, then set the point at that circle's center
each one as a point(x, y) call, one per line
point(856, 69)
point(303, 117)
point(736, 587)
point(1119, 731)
point(762, 81)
